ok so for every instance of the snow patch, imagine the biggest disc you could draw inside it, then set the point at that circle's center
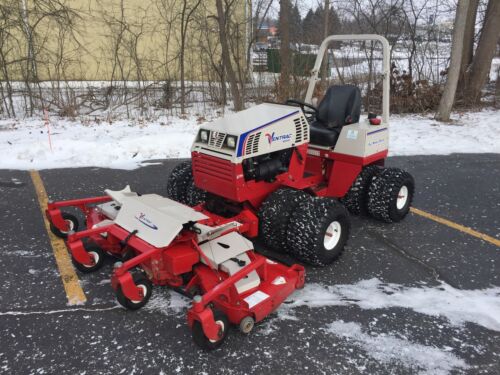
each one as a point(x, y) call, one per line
point(24, 144)
point(388, 349)
point(168, 302)
point(472, 132)
point(480, 306)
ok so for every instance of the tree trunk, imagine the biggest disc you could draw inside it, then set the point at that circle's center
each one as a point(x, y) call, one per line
point(226, 57)
point(448, 98)
point(485, 52)
point(468, 49)
point(284, 30)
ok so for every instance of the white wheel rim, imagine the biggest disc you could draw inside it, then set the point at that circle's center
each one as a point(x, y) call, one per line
point(402, 197)
point(144, 291)
point(221, 324)
point(96, 259)
point(71, 226)
point(332, 235)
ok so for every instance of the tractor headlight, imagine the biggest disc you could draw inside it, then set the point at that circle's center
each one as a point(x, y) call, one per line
point(231, 141)
point(204, 135)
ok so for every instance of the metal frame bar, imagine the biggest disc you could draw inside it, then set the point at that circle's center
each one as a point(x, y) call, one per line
point(386, 67)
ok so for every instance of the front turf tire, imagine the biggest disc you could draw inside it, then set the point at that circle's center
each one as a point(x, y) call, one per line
point(390, 195)
point(179, 181)
point(318, 231)
point(275, 214)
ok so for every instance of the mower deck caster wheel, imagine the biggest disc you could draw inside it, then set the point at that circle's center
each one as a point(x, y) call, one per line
point(72, 222)
point(147, 288)
point(203, 341)
point(97, 253)
point(247, 324)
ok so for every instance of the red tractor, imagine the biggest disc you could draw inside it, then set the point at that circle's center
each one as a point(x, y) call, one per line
point(298, 167)
point(284, 172)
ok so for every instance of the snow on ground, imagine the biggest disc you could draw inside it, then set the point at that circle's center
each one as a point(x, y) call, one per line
point(458, 306)
point(24, 144)
point(470, 132)
point(389, 349)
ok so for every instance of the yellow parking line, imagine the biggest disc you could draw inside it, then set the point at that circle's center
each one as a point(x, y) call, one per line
point(456, 226)
point(70, 280)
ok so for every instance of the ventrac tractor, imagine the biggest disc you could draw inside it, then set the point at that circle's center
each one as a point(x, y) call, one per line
point(286, 173)
point(296, 167)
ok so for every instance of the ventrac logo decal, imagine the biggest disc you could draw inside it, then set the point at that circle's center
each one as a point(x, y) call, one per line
point(143, 219)
point(278, 138)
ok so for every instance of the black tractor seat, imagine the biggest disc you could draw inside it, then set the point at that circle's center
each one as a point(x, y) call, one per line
point(340, 106)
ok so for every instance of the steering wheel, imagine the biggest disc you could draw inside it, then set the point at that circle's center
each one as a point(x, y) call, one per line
point(311, 110)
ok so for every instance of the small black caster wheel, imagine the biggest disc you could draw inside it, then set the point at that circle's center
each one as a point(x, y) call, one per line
point(147, 288)
point(72, 225)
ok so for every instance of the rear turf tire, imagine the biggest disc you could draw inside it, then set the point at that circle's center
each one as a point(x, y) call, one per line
point(274, 217)
point(318, 231)
point(356, 199)
point(390, 195)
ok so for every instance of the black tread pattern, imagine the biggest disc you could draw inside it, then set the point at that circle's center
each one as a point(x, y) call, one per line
point(195, 195)
point(274, 216)
point(307, 229)
point(356, 199)
point(383, 194)
point(179, 181)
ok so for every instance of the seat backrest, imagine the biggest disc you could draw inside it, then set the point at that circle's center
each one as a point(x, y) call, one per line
point(340, 106)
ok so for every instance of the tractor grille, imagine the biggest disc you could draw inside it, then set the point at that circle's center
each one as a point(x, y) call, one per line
point(212, 167)
point(301, 130)
point(253, 144)
point(216, 139)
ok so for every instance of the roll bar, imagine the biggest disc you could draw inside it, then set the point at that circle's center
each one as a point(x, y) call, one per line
point(385, 67)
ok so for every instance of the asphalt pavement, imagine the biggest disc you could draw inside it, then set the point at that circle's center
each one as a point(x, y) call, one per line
point(41, 334)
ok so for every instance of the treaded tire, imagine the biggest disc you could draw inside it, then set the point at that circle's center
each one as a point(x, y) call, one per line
point(309, 225)
point(356, 199)
point(383, 195)
point(179, 181)
point(274, 217)
point(202, 341)
point(141, 281)
point(98, 255)
point(194, 195)
point(73, 226)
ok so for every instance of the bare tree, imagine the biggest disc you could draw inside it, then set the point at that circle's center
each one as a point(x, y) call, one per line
point(470, 29)
point(186, 16)
point(226, 54)
point(448, 98)
point(484, 53)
